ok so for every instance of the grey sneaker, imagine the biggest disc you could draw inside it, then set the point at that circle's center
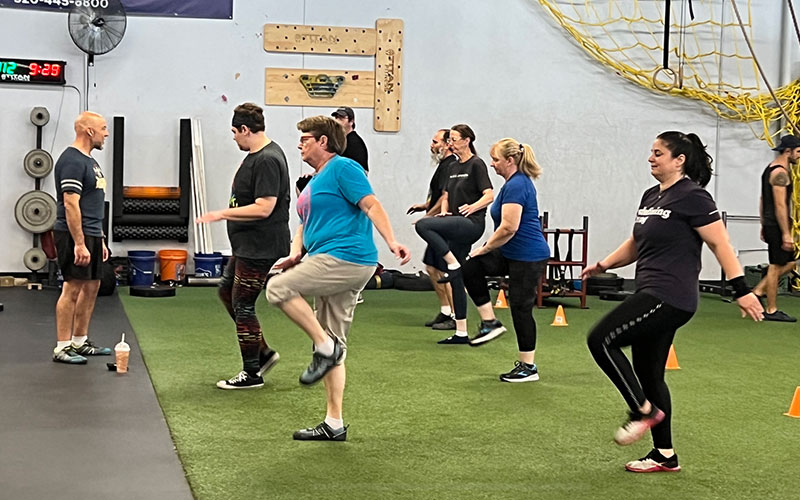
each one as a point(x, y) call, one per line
point(322, 432)
point(321, 365)
point(446, 324)
point(89, 349)
point(70, 356)
point(779, 316)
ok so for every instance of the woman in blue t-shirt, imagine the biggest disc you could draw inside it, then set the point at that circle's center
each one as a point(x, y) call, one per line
point(674, 218)
point(517, 248)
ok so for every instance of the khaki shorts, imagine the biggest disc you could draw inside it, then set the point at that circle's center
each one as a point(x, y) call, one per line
point(334, 284)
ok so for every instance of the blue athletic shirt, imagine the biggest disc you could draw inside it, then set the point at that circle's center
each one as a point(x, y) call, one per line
point(528, 243)
point(332, 222)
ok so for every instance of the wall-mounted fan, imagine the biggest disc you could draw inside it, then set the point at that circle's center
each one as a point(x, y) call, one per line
point(98, 26)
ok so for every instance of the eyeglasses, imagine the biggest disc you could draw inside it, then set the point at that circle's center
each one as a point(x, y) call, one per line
point(305, 138)
point(451, 140)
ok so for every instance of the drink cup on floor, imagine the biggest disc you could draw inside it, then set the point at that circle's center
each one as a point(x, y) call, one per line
point(123, 352)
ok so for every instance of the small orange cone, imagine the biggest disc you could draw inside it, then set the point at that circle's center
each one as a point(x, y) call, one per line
point(794, 408)
point(672, 359)
point(501, 300)
point(560, 319)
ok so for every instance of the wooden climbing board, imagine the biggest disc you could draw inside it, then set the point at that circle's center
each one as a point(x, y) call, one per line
point(380, 90)
point(284, 88)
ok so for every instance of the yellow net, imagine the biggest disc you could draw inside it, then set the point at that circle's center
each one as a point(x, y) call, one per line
point(708, 56)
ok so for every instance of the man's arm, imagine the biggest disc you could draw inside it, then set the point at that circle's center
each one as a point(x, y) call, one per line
point(779, 180)
point(261, 209)
point(72, 210)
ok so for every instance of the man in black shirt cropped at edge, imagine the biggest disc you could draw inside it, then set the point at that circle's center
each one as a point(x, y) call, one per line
point(776, 224)
point(78, 235)
point(444, 158)
point(356, 149)
point(258, 229)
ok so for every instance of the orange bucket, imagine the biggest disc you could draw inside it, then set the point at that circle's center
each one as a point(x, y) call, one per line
point(173, 264)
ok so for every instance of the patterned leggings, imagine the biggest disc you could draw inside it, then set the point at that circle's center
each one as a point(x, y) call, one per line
point(242, 282)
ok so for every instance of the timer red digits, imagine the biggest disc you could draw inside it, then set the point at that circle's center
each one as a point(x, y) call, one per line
point(34, 69)
point(55, 70)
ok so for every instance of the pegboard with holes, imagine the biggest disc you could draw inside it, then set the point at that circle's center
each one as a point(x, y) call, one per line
point(380, 90)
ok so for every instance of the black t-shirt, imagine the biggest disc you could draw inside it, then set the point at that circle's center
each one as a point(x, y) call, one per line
point(466, 183)
point(262, 174)
point(77, 173)
point(439, 179)
point(668, 247)
point(768, 215)
point(356, 150)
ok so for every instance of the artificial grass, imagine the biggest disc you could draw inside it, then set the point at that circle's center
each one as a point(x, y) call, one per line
point(431, 421)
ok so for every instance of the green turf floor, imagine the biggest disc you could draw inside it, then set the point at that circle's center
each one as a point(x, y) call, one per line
point(431, 421)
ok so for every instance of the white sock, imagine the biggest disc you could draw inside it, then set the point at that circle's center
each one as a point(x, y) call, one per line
point(453, 267)
point(446, 310)
point(60, 344)
point(334, 423)
point(461, 334)
point(79, 341)
point(326, 349)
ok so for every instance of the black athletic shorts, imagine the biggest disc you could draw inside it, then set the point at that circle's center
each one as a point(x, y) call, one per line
point(774, 239)
point(65, 247)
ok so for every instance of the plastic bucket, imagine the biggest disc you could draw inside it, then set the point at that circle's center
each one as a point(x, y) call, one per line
point(208, 265)
point(173, 264)
point(142, 264)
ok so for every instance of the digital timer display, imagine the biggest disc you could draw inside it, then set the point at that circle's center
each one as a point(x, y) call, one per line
point(32, 71)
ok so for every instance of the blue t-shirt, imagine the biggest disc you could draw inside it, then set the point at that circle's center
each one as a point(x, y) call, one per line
point(528, 243)
point(332, 222)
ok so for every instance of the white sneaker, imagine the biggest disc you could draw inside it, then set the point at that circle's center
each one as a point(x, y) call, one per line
point(637, 426)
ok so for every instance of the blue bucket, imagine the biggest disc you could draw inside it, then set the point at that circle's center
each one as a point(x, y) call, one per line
point(208, 265)
point(142, 264)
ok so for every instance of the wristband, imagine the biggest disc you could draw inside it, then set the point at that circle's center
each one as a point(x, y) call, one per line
point(740, 288)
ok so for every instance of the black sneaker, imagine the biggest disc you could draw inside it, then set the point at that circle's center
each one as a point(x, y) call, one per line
point(489, 330)
point(455, 339)
point(266, 360)
point(654, 462)
point(89, 349)
point(447, 324)
point(449, 275)
point(522, 372)
point(779, 316)
point(320, 365)
point(70, 356)
point(242, 381)
point(438, 319)
point(322, 432)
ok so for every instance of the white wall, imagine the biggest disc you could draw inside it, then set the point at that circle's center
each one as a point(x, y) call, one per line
point(503, 67)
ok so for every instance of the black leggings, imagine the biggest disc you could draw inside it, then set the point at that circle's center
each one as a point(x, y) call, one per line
point(523, 281)
point(648, 325)
point(451, 233)
point(241, 284)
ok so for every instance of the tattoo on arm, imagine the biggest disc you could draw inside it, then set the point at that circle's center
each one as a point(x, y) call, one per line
point(781, 179)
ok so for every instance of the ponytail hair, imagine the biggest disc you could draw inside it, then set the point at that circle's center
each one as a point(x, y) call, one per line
point(698, 162)
point(522, 154)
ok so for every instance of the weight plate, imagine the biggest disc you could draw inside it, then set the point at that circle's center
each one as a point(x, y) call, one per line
point(40, 116)
point(35, 259)
point(36, 211)
point(38, 163)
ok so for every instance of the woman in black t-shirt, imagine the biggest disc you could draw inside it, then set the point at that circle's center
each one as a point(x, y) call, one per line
point(450, 236)
point(673, 220)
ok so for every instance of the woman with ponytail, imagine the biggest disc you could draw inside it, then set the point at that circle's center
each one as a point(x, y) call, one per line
point(674, 218)
point(461, 221)
point(517, 248)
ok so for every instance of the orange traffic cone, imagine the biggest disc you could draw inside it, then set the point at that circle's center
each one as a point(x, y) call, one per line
point(794, 408)
point(560, 319)
point(501, 300)
point(672, 359)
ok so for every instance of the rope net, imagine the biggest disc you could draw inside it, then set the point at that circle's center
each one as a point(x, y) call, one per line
point(708, 56)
